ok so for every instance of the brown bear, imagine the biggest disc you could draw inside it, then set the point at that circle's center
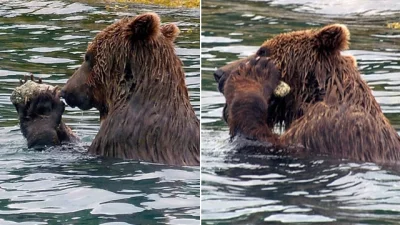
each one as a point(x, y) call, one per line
point(132, 75)
point(39, 113)
point(329, 110)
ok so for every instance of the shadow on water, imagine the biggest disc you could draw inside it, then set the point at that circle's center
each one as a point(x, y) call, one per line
point(63, 185)
point(260, 189)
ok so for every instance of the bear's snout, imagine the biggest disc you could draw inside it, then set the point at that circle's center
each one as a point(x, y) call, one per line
point(220, 77)
point(218, 74)
point(62, 93)
point(77, 97)
point(70, 99)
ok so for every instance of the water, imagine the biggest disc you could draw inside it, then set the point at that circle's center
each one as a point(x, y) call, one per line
point(251, 189)
point(64, 185)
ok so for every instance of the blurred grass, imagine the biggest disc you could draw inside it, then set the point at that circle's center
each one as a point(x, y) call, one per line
point(393, 25)
point(168, 3)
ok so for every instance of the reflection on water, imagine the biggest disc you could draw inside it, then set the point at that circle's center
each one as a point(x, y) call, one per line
point(63, 185)
point(254, 189)
point(341, 8)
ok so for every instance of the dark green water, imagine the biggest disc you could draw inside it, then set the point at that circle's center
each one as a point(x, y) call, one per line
point(249, 189)
point(48, 39)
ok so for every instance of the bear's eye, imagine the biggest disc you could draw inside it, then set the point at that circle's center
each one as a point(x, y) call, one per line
point(263, 51)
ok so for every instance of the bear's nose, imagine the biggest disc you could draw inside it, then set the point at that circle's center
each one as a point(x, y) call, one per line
point(220, 77)
point(218, 74)
point(62, 93)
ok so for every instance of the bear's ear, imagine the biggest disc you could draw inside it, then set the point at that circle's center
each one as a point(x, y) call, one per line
point(333, 37)
point(170, 31)
point(145, 26)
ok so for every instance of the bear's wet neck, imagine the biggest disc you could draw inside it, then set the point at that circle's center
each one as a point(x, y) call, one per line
point(152, 73)
point(169, 92)
point(158, 120)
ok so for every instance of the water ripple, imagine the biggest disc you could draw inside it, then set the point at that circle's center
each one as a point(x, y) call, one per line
point(264, 189)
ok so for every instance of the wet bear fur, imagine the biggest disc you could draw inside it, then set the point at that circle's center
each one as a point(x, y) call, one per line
point(330, 109)
point(132, 75)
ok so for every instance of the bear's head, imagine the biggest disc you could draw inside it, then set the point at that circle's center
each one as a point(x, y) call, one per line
point(130, 58)
point(311, 63)
point(40, 119)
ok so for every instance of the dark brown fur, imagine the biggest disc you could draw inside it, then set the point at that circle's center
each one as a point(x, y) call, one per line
point(330, 108)
point(248, 91)
point(133, 76)
point(40, 120)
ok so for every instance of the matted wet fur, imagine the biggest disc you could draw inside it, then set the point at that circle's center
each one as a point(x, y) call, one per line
point(133, 76)
point(41, 122)
point(247, 91)
point(330, 108)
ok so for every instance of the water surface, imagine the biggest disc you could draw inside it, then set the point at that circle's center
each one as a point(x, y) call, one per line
point(64, 185)
point(254, 189)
